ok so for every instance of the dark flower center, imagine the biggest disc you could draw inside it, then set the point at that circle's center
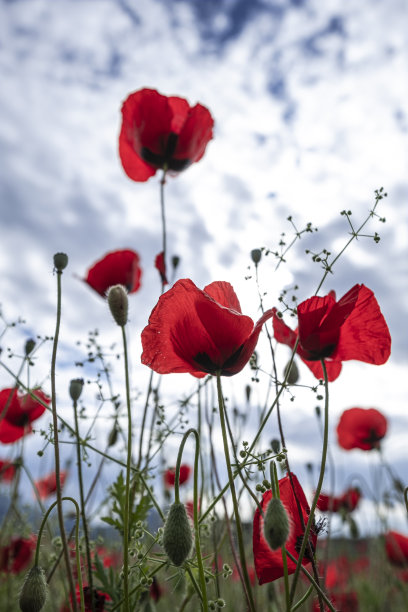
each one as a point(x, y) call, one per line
point(206, 364)
point(318, 354)
point(373, 439)
point(165, 159)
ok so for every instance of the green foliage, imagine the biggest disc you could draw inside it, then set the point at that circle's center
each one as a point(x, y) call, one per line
point(137, 513)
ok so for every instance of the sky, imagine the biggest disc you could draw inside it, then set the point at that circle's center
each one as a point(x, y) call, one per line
point(309, 103)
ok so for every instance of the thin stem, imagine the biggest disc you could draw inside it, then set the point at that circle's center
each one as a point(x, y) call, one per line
point(241, 546)
point(127, 486)
point(310, 521)
point(314, 583)
point(56, 445)
point(163, 220)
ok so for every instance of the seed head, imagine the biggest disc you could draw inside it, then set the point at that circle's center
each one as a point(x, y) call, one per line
point(177, 536)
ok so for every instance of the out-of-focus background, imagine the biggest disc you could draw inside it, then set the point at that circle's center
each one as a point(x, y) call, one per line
point(309, 103)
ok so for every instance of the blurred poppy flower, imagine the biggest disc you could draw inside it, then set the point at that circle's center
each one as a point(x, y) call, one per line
point(48, 485)
point(99, 600)
point(268, 562)
point(7, 471)
point(115, 268)
point(155, 590)
point(161, 132)
point(19, 411)
point(361, 428)
point(17, 555)
point(352, 328)
point(346, 602)
point(251, 574)
point(396, 547)
point(199, 332)
point(160, 265)
point(348, 501)
point(170, 475)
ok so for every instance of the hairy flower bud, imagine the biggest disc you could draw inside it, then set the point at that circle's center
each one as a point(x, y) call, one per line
point(256, 255)
point(29, 346)
point(175, 260)
point(276, 524)
point(75, 388)
point(177, 536)
point(118, 304)
point(293, 373)
point(34, 591)
point(60, 261)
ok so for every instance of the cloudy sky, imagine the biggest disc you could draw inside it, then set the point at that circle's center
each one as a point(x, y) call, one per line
point(309, 103)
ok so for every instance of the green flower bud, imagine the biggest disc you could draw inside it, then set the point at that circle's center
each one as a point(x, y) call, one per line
point(293, 373)
point(256, 255)
point(29, 346)
point(276, 524)
point(75, 388)
point(118, 304)
point(275, 445)
point(177, 536)
point(60, 261)
point(34, 591)
point(113, 436)
point(175, 260)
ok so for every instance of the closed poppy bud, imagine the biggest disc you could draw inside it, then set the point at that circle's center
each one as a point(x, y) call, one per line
point(175, 260)
point(256, 255)
point(75, 388)
point(275, 445)
point(34, 591)
point(177, 536)
point(293, 376)
point(29, 346)
point(113, 436)
point(118, 304)
point(248, 392)
point(276, 524)
point(60, 261)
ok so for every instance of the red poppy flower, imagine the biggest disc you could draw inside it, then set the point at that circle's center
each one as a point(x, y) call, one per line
point(155, 590)
point(19, 412)
point(48, 485)
point(161, 132)
point(170, 475)
point(348, 501)
point(17, 555)
point(99, 600)
point(352, 328)
point(199, 332)
point(346, 602)
point(396, 547)
point(361, 428)
point(268, 562)
point(160, 265)
point(115, 268)
point(7, 471)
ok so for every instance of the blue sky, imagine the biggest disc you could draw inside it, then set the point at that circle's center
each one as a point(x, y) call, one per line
point(309, 105)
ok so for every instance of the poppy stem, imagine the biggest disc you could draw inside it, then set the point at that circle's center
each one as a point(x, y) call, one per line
point(310, 522)
point(314, 583)
point(241, 546)
point(276, 494)
point(204, 601)
point(58, 271)
point(163, 220)
point(127, 485)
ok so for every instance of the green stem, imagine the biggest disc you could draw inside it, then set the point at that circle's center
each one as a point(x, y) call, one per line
point(406, 497)
point(303, 599)
point(163, 220)
point(241, 546)
point(276, 494)
point(127, 486)
point(83, 513)
point(310, 521)
point(204, 599)
point(314, 583)
point(56, 445)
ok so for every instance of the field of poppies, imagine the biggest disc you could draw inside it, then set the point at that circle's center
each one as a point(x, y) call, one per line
point(240, 533)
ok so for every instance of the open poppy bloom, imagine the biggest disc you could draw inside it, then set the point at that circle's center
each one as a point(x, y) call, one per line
point(268, 562)
point(48, 485)
point(7, 471)
point(348, 501)
point(352, 328)
point(396, 547)
point(200, 332)
point(17, 555)
point(19, 412)
point(361, 428)
point(170, 475)
point(161, 132)
point(115, 268)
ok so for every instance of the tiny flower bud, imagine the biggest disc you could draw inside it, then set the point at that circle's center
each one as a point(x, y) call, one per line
point(275, 445)
point(34, 591)
point(293, 376)
point(60, 261)
point(256, 255)
point(75, 388)
point(118, 304)
point(177, 536)
point(113, 436)
point(276, 524)
point(248, 390)
point(175, 260)
point(29, 346)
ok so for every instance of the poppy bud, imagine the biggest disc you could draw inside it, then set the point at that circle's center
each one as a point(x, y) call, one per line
point(75, 388)
point(113, 436)
point(29, 346)
point(34, 591)
point(60, 261)
point(248, 390)
point(118, 304)
point(275, 445)
point(256, 255)
point(175, 260)
point(177, 536)
point(293, 376)
point(276, 524)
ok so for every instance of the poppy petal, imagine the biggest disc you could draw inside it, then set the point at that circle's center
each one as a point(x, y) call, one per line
point(115, 268)
point(180, 109)
point(224, 294)
point(361, 428)
point(195, 134)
